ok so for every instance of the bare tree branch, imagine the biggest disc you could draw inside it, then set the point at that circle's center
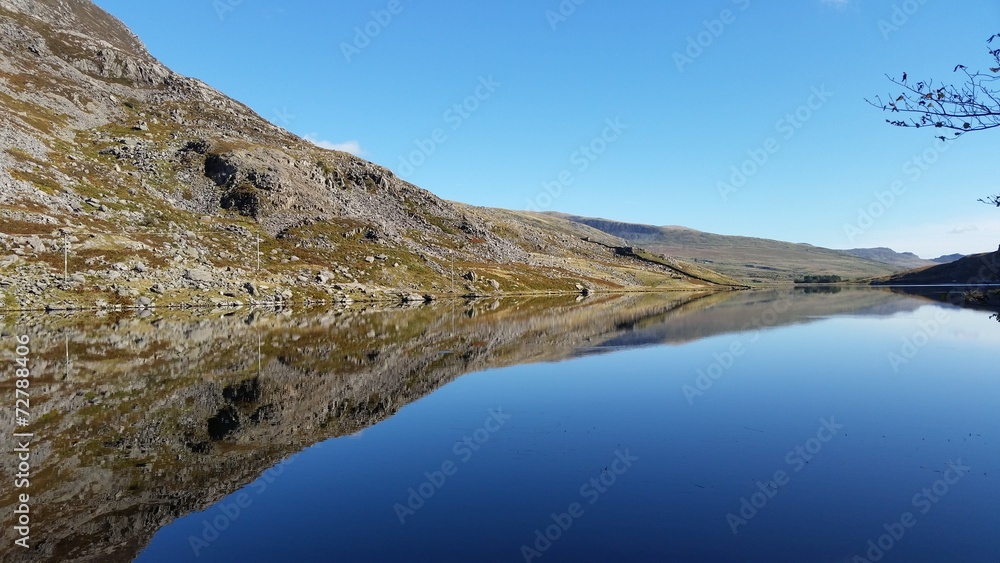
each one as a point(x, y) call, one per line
point(972, 104)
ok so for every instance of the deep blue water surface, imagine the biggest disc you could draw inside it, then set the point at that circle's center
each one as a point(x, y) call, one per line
point(848, 437)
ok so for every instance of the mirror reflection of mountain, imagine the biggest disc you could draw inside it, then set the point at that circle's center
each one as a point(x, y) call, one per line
point(141, 419)
point(983, 298)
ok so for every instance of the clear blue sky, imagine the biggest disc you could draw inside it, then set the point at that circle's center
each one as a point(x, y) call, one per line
point(537, 85)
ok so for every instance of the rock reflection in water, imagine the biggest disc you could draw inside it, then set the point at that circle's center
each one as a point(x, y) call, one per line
point(140, 420)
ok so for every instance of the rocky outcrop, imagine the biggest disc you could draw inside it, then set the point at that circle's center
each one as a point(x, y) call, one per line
point(109, 154)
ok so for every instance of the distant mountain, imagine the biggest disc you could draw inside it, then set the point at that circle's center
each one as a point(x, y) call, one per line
point(947, 258)
point(751, 259)
point(901, 260)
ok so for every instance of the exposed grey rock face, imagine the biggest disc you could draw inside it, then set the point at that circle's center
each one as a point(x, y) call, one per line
point(36, 244)
point(100, 141)
point(198, 275)
point(220, 151)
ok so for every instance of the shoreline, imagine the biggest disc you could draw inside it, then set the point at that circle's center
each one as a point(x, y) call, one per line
point(396, 298)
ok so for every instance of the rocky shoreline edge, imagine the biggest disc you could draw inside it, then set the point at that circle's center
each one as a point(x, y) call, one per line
point(200, 289)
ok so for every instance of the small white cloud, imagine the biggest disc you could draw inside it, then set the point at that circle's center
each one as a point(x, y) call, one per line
point(963, 229)
point(352, 146)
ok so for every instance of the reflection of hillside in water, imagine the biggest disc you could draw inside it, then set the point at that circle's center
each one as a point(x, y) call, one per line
point(757, 310)
point(142, 420)
point(982, 298)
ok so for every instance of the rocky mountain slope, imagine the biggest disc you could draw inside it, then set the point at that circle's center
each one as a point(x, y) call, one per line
point(753, 259)
point(123, 183)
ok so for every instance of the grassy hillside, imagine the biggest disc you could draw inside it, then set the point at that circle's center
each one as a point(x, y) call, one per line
point(977, 269)
point(566, 231)
point(970, 270)
point(754, 260)
point(901, 260)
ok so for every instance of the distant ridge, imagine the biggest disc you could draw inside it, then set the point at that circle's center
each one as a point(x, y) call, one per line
point(901, 260)
point(751, 259)
point(947, 258)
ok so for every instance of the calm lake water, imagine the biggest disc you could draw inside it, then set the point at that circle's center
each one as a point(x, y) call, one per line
point(828, 426)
